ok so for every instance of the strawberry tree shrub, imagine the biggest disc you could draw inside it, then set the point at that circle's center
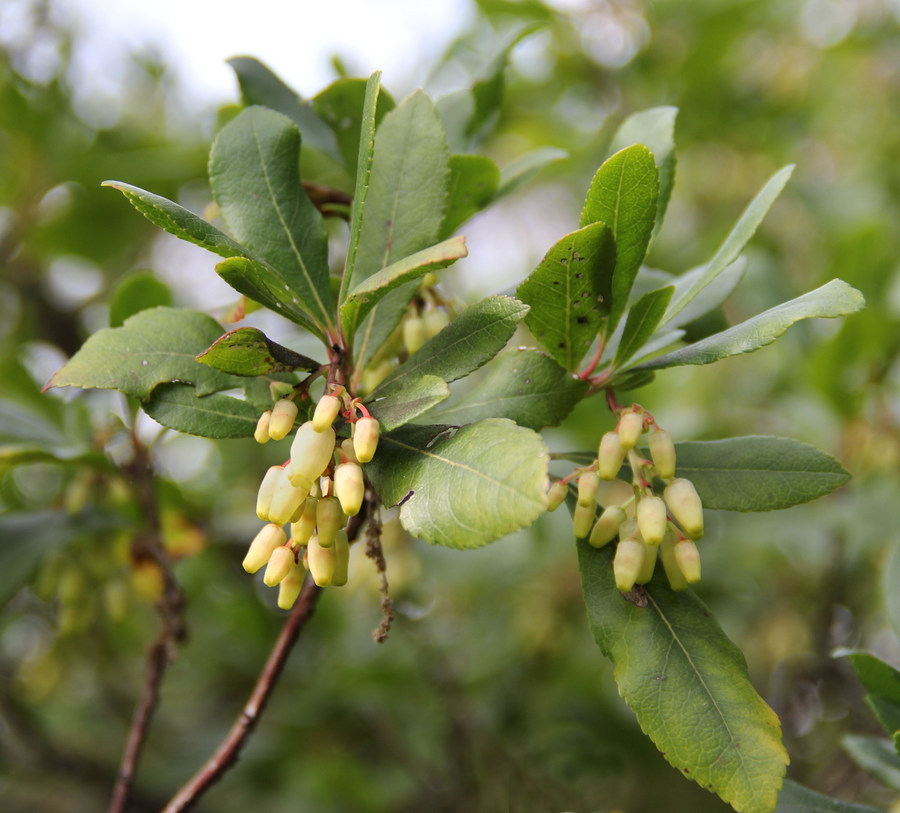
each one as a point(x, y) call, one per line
point(373, 420)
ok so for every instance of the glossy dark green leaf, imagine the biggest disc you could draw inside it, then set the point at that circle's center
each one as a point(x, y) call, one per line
point(152, 347)
point(757, 473)
point(135, 293)
point(473, 183)
point(469, 341)
point(570, 293)
point(176, 406)
point(624, 195)
point(688, 685)
point(253, 172)
point(642, 321)
point(402, 406)
point(524, 385)
point(795, 798)
point(248, 351)
point(833, 299)
point(462, 488)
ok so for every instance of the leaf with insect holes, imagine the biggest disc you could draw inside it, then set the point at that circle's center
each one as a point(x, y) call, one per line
point(569, 293)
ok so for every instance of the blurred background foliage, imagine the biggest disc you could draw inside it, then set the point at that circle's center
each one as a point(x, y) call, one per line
point(490, 693)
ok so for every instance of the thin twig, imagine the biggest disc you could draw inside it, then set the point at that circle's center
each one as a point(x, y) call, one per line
point(229, 750)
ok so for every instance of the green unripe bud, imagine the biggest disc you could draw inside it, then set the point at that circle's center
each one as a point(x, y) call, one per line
point(435, 321)
point(373, 376)
point(321, 562)
point(261, 433)
point(648, 565)
point(272, 536)
point(365, 438)
point(676, 578)
point(280, 563)
point(662, 450)
point(610, 456)
point(283, 416)
point(627, 563)
point(631, 427)
point(329, 520)
point(311, 453)
point(607, 526)
point(341, 559)
point(267, 490)
point(688, 558)
point(583, 519)
point(652, 519)
point(286, 499)
point(305, 526)
point(327, 410)
point(685, 505)
point(429, 280)
point(349, 487)
point(556, 495)
point(588, 485)
point(290, 586)
point(414, 333)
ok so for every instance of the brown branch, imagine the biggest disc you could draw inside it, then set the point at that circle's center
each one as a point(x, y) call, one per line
point(228, 752)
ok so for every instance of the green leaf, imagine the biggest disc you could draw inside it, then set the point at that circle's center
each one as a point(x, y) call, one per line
point(405, 204)
point(688, 685)
point(835, 298)
point(882, 684)
point(373, 289)
point(253, 172)
point(734, 244)
point(757, 473)
point(877, 756)
point(525, 167)
point(524, 385)
point(464, 488)
point(342, 106)
point(473, 183)
point(643, 318)
point(711, 297)
point(260, 86)
point(891, 594)
point(624, 195)
point(176, 406)
point(570, 293)
point(178, 221)
point(468, 342)
point(795, 798)
point(152, 347)
point(135, 293)
point(260, 282)
point(402, 406)
point(248, 351)
point(368, 120)
point(655, 129)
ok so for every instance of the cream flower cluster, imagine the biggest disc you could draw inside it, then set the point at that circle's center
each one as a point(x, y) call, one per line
point(316, 491)
point(648, 526)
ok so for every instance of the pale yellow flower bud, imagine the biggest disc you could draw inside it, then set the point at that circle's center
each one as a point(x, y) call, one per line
point(286, 499)
point(607, 526)
point(610, 456)
point(365, 438)
point(341, 559)
point(631, 427)
point(648, 564)
point(311, 453)
point(583, 519)
point(304, 527)
point(373, 376)
point(321, 562)
point(261, 434)
point(270, 537)
point(349, 487)
point(662, 450)
point(414, 333)
point(627, 563)
point(588, 485)
point(435, 321)
point(283, 416)
point(327, 410)
point(688, 558)
point(348, 451)
point(267, 490)
point(676, 578)
point(290, 586)
point(280, 563)
point(652, 519)
point(329, 520)
point(556, 495)
point(685, 505)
